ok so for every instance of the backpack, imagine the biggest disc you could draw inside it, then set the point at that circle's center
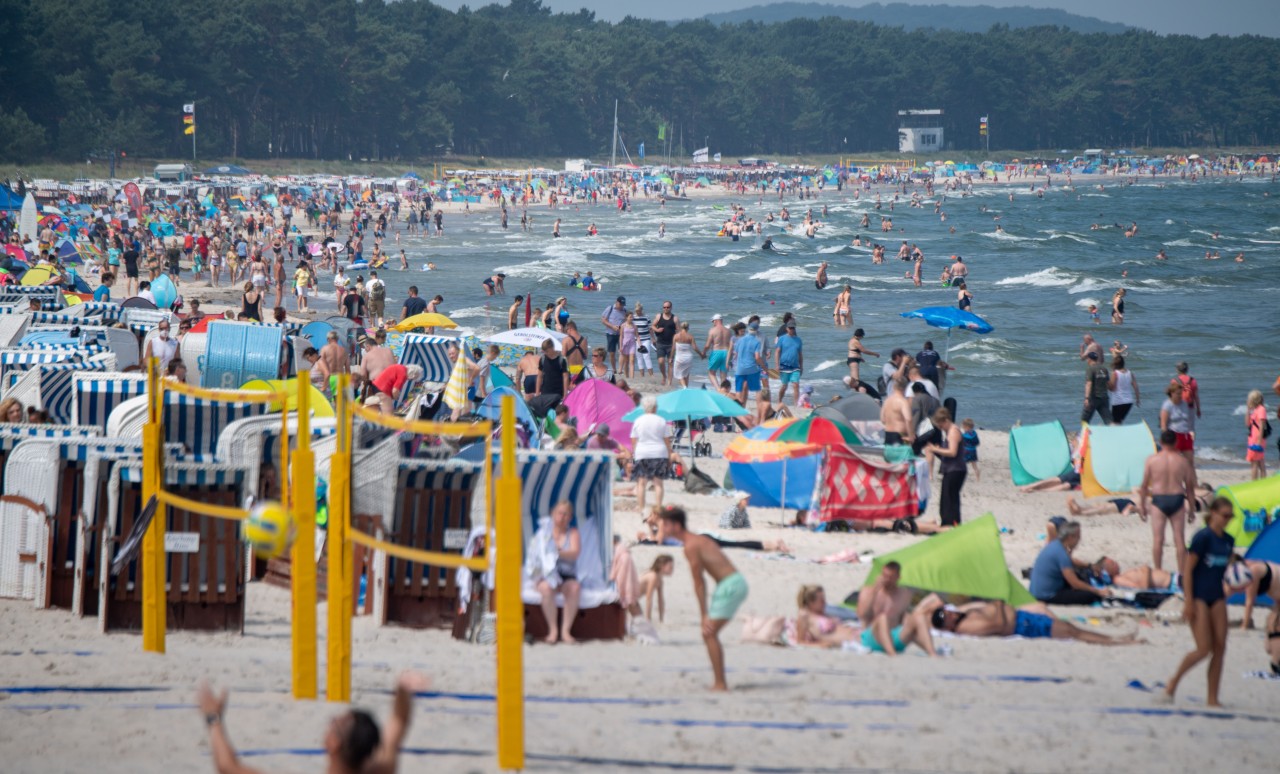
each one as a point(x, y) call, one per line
point(1190, 390)
point(378, 292)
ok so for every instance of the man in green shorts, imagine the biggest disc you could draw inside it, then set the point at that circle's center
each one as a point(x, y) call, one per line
point(704, 555)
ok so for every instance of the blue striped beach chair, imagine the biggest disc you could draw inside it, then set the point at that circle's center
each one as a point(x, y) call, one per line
point(204, 590)
point(585, 480)
point(49, 387)
point(429, 352)
point(96, 395)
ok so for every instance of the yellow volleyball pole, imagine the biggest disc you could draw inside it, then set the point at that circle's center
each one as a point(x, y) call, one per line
point(338, 676)
point(303, 570)
point(510, 627)
point(154, 594)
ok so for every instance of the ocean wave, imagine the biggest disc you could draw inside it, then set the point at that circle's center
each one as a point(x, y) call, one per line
point(824, 365)
point(1265, 241)
point(1052, 277)
point(1231, 348)
point(1218, 454)
point(831, 250)
point(720, 263)
point(475, 311)
point(1007, 237)
point(1240, 410)
point(1090, 286)
point(1180, 243)
point(1068, 235)
point(784, 274)
point(1085, 303)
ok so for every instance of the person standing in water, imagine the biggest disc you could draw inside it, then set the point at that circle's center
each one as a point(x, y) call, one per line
point(841, 313)
point(820, 282)
point(717, 350)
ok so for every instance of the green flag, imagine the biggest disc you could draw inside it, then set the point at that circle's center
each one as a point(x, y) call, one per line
point(662, 131)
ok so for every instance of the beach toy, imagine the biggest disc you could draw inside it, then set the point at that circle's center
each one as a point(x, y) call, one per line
point(1238, 576)
point(269, 529)
point(164, 292)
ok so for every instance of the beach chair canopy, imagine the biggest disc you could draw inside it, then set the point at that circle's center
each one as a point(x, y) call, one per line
point(431, 353)
point(1114, 458)
point(1037, 452)
point(583, 479)
point(854, 487)
point(967, 560)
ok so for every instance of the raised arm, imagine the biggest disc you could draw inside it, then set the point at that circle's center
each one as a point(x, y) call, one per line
point(385, 759)
point(224, 755)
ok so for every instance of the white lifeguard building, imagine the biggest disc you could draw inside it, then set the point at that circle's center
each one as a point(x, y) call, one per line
point(920, 131)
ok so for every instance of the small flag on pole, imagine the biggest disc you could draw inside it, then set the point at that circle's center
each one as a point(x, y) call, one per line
point(190, 129)
point(982, 126)
point(662, 131)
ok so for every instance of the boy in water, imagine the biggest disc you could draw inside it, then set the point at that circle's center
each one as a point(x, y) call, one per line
point(1093, 314)
point(704, 555)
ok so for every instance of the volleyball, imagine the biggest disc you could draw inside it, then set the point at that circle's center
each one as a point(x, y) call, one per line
point(269, 529)
point(1238, 576)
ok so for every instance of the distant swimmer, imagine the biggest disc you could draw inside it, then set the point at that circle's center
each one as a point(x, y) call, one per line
point(1132, 231)
point(662, 229)
point(1240, 258)
point(555, 229)
point(592, 230)
point(1162, 256)
point(821, 280)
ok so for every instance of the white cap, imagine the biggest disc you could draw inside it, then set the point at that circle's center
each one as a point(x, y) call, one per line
point(740, 495)
point(715, 317)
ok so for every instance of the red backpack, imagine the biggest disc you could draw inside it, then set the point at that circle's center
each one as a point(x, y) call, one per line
point(1190, 390)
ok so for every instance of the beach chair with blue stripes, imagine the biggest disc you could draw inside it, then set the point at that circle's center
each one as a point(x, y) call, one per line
point(204, 590)
point(96, 395)
point(195, 423)
point(49, 387)
point(584, 479)
point(431, 353)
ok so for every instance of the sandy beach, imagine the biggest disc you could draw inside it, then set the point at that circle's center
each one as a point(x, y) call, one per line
point(992, 705)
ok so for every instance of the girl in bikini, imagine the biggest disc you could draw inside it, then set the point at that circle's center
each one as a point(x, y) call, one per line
point(814, 627)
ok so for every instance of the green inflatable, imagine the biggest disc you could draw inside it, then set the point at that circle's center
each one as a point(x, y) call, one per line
point(967, 560)
point(1254, 502)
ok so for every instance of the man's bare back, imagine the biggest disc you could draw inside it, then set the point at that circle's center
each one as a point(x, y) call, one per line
point(1169, 472)
point(895, 414)
point(376, 360)
point(702, 551)
point(335, 358)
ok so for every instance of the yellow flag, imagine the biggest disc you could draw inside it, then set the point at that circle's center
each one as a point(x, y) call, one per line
point(190, 129)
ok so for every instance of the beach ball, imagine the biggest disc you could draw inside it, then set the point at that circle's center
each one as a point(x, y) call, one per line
point(1238, 576)
point(269, 529)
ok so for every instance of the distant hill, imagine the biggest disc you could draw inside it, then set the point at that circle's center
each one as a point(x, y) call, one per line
point(977, 18)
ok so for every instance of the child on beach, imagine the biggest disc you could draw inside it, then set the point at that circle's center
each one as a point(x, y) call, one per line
point(970, 441)
point(651, 585)
point(705, 556)
point(736, 516)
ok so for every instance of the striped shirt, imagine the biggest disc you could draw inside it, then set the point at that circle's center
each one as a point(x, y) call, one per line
point(642, 327)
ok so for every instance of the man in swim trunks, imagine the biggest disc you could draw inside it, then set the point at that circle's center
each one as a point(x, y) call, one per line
point(999, 619)
point(513, 313)
point(575, 349)
point(895, 414)
point(749, 362)
point(717, 350)
point(705, 556)
point(1169, 482)
point(884, 598)
point(820, 281)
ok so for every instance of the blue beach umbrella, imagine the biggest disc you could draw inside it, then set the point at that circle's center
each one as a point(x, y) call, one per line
point(949, 317)
point(690, 403)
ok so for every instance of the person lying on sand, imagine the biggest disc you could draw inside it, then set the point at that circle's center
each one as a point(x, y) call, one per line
point(813, 627)
point(1064, 483)
point(352, 742)
point(1000, 619)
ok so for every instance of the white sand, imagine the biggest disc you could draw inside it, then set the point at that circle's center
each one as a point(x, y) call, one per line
point(592, 706)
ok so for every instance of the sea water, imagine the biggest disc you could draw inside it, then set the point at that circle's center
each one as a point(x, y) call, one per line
point(1033, 282)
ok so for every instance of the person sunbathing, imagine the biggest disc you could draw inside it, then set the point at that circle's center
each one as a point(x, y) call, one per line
point(1064, 483)
point(813, 627)
point(996, 618)
point(885, 598)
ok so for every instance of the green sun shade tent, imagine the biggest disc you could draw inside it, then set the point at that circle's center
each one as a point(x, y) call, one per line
point(967, 560)
point(1038, 452)
point(1254, 502)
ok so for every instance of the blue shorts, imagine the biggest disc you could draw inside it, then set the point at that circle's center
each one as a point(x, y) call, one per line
point(611, 342)
point(870, 642)
point(789, 377)
point(718, 360)
point(752, 381)
point(1032, 625)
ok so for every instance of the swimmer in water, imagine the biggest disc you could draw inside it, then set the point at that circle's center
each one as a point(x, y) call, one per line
point(1161, 256)
point(821, 280)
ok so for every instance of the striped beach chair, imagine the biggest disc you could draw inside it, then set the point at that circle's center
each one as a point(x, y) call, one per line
point(431, 353)
point(122, 343)
point(49, 387)
point(15, 362)
point(204, 590)
point(585, 480)
point(195, 423)
point(96, 395)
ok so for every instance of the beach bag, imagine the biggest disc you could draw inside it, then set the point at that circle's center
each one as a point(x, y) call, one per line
point(697, 482)
point(378, 292)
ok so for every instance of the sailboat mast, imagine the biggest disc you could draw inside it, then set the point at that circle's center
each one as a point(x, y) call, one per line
point(613, 160)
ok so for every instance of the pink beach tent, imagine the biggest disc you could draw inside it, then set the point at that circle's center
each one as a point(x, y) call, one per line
point(595, 401)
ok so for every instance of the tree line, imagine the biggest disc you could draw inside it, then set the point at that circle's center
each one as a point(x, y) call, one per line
point(337, 79)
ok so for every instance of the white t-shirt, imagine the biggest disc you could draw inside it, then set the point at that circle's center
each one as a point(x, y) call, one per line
point(650, 432)
point(929, 387)
point(1123, 393)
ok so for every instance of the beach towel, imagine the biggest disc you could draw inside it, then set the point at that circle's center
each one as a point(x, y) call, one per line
point(624, 576)
point(541, 555)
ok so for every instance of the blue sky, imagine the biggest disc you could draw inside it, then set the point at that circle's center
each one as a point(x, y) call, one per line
point(1185, 17)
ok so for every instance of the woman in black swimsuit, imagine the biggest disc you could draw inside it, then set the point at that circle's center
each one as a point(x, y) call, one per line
point(251, 303)
point(856, 351)
point(964, 299)
point(1117, 307)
